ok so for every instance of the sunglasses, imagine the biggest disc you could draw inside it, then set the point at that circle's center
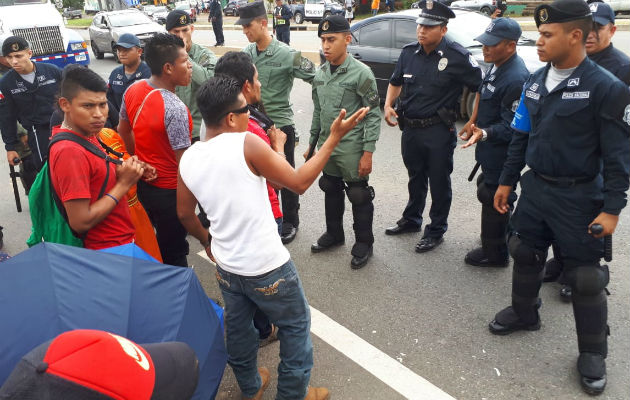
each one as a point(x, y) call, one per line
point(241, 110)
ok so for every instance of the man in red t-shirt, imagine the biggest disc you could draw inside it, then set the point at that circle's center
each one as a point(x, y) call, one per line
point(77, 175)
point(156, 126)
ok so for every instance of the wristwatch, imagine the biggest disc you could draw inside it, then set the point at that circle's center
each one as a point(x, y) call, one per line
point(484, 135)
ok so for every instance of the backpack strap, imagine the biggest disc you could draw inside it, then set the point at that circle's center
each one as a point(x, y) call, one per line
point(135, 118)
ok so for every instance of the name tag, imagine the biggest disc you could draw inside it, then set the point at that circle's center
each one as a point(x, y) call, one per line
point(48, 82)
point(532, 95)
point(119, 83)
point(490, 87)
point(407, 76)
point(18, 90)
point(576, 95)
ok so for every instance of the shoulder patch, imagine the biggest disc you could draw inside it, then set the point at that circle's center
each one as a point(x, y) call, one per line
point(626, 114)
point(304, 64)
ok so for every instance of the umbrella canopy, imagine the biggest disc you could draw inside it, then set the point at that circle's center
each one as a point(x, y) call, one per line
point(52, 288)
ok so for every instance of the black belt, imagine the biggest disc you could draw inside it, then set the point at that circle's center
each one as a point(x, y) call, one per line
point(564, 181)
point(422, 122)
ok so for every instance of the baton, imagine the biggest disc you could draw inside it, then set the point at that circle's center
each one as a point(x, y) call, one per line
point(473, 172)
point(597, 229)
point(13, 176)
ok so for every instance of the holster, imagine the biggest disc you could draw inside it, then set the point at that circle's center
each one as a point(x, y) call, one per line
point(447, 116)
point(401, 117)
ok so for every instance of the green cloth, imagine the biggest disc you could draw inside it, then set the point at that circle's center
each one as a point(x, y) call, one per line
point(277, 66)
point(203, 62)
point(351, 86)
point(48, 225)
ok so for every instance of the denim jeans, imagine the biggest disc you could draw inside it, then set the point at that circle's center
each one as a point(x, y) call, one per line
point(279, 294)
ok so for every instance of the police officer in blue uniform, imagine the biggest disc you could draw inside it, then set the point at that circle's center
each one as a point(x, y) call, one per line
point(489, 128)
point(599, 48)
point(429, 77)
point(572, 130)
point(282, 21)
point(132, 69)
point(27, 95)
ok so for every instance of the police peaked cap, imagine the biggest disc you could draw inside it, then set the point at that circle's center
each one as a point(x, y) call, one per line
point(562, 11)
point(14, 43)
point(433, 13)
point(333, 24)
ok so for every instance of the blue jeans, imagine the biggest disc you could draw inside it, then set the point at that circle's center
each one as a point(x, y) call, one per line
point(279, 294)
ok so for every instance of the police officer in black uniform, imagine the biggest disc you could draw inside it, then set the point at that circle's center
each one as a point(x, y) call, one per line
point(216, 18)
point(572, 130)
point(489, 128)
point(599, 48)
point(27, 95)
point(282, 21)
point(430, 74)
point(133, 68)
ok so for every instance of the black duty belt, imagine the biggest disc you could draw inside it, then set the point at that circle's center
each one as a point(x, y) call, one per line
point(564, 181)
point(422, 122)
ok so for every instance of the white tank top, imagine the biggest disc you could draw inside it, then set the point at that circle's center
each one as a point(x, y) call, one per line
point(245, 238)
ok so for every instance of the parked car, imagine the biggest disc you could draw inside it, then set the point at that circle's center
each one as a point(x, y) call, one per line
point(108, 26)
point(71, 13)
point(148, 9)
point(619, 6)
point(232, 7)
point(190, 10)
point(159, 14)
point(315, 10)
point(378, 41)
point(445, 2)
point(485, 6)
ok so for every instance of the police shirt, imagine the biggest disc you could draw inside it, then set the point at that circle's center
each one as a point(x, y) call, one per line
point(614, 61)
point(29, 103)
point(282, 16)
point(579, 129)
point(498, 99)
point(433, 81)
point(277, 65)
point(350, 86)
point(118, 82)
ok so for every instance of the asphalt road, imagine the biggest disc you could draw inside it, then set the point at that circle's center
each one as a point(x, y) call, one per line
point(427, 312)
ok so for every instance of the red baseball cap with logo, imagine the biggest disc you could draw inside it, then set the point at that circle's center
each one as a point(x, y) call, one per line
point(97, 365)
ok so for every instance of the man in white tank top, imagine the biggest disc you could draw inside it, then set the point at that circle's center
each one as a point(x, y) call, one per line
point(227, 176)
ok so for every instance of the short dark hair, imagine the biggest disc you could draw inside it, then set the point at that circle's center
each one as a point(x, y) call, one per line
point(237, 65)
point(160, 49)
point(216, 97)
point(583, 24)
point(76, 78)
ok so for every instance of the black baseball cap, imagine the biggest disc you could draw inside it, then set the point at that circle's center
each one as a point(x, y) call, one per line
point(96, 365)
point(561, 11)
point(128, 40)
point(250, 12)
point(603, 13)
point(498, 30)
point(433, 13)
point(12, 44)
point(177, 18)
point(333, 24)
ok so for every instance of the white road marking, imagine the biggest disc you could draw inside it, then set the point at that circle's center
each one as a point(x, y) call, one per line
point(388, 370)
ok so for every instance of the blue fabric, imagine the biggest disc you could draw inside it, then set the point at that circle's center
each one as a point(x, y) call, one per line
point(53, 288)
point(278, 294)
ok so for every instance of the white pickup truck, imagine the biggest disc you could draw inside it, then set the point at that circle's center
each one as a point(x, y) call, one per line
point(315, 10)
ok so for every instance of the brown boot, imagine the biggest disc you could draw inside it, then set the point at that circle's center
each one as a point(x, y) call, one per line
point(317, 393)
point(264, 375)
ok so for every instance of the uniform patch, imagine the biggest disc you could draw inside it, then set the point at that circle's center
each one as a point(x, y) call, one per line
point(626, 112)
point(41, 78)
point(18, 90)
point(543, 16)
point(593, 7)
point(372, 98)
point(472, 61)
point(576, 95)
point(407, 76)
point(118, 76)
point(533, 87)
point(307, 65)
point(490, 87)
point(532, 95)
point(492, 78)
point(515, 105)
point(442, 64)
point(573, 82)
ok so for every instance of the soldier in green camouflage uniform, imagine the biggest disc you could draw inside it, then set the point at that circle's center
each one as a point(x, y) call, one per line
point(178, 23)
point(344, 82)
point(277, 65)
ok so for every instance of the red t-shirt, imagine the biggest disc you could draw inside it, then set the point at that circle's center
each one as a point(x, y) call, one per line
point(253, 127)
point(163, 125)
point(78, 174)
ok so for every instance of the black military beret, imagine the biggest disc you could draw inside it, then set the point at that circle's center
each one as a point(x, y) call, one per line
point(250, 12)
point(14, 43)
point(333, 24)
point(177, 18)
point(433, 13)
point(561, 11)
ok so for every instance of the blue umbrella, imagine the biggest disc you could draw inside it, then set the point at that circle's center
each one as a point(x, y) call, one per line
point(52, 288)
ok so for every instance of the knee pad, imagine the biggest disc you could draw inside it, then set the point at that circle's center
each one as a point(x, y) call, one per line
point(485, 195)
point(525, 254)
point(359, 193)
point(331, 184)
point(587, 279)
